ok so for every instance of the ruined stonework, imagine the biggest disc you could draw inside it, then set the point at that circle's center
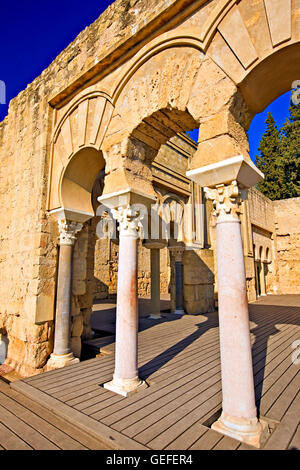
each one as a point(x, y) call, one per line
point(115, 101)
point(287, 230)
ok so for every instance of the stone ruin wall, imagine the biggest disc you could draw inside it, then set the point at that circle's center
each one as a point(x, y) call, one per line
point(106, 270)
point(28, 237)
point(261, 214)
point(27, 247)
point(287, 230)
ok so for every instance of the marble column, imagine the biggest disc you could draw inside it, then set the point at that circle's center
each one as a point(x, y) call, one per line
point(262, 278)
point(155, 284)
point(155, 247)
point(62, 355)
point(239, 414)
point(125, 379)
point(177, 255)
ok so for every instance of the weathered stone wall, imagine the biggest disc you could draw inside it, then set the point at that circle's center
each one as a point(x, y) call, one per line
point(28, 237)
point(287, 230)
point(106, 270)
point(98, 58)
point(198, 275)
point(261, 214)
point(27, 241)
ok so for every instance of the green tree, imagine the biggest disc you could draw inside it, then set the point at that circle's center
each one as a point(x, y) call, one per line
point(270, 161)
point(290, 151)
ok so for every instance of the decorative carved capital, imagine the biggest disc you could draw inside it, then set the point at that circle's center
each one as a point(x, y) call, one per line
point(67, 231)
point(129, 221)
point(226, 200)
point(176, 252)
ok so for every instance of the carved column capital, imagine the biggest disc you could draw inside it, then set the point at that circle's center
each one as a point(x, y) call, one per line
point(129, 221)
point(67, 231)
point(227, 201)
point(177, 252)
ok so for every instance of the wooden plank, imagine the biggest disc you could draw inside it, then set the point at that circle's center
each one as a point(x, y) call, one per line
point(111, 438)
point(158, 408)
point(51, 433)
point(68, 429)
point(295, 442)
point(207, 441)
point(137, 409)
point(188, 437)
point(281, 405)
point(171, 425)
point(284, 432)
point(100, 415)
point(277, 387)
point(10, 441)
point(172, 384)
point(227, 443)
point(21, 429)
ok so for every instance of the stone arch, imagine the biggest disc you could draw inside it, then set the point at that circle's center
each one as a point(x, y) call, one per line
point(216, 75)
point(76, 158)
point(257, 44)
point(160, 94)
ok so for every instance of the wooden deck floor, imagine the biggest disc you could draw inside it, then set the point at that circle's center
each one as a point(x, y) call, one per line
point(179, 359)
point(26, 425)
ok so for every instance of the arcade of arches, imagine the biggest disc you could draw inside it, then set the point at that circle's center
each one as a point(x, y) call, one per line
point(104, 126)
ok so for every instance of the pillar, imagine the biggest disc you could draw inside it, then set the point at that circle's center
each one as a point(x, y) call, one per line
point(239, 414)
point(177, 255)
point(62, 355)
point(155, 246)
point(155, 284)
point(125, 378)
point(262, 278)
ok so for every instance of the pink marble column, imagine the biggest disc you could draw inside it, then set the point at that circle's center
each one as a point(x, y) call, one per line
point(62, 354)
point(125, 379)
point(239, 415)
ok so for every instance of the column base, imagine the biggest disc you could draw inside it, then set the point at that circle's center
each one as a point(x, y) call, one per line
point(125, 387)
point(58, 361)
point(250, 431)
point(179, 311)
point(155, 316)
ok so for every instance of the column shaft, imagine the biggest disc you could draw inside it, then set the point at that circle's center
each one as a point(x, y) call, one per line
point(126, 366)
point(179, 286)
point(62, 355)
point(63, 301)
point(262, 278)
point(125, 379)
point(155, 282)
point(236, 359)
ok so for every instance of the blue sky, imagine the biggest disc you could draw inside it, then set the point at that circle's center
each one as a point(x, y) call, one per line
point(32, 36)
point(280, 111)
